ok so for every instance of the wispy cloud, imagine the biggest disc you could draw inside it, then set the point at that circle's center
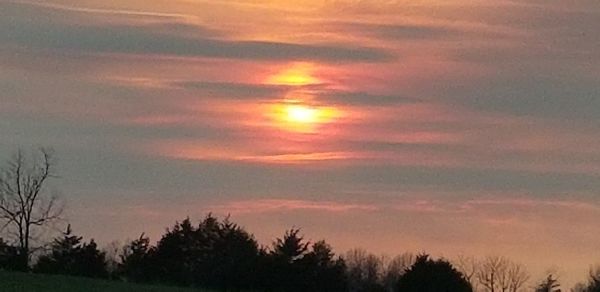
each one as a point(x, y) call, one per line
point(25, 27)
point(286, 205)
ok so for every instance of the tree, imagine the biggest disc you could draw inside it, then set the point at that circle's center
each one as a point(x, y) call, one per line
point(291, 247)
point(294, 264)
point(182, 252)
point(136, 262)
point(284, 270)
point(498, 274)
point(234, 259)
point(364, 271)
point(112, 251)
point(492, 272)
point(517, 277)
point(469, 267)
point(593, 283)
point(395, 268)
point(427, 275)
point(9, 256)
point(213, 254)
point(71, 256)
point(25, 206)
point(323, 271)
point(550, 284)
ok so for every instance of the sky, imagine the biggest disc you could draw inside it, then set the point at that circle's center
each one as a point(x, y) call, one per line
point(452, 127)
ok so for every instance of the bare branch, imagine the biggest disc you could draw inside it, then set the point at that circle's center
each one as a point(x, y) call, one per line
point(23, 204)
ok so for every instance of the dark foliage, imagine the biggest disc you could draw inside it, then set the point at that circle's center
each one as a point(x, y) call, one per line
point(550, 284)
point(221, 255)
point(214, 254)
point(71, 256)
point(296, 265)
point(364, 271)
point(427, 275)
point(324, 271)
point(9, 256)
point(593, 283)
point(136, 261)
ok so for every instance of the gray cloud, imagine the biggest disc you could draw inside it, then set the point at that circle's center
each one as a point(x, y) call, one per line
point(541, 96)
point(32, 28)
point(232, 90)
point(398, 31)
point(363, 98)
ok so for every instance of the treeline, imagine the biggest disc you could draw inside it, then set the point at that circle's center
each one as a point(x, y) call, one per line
point(221, 255)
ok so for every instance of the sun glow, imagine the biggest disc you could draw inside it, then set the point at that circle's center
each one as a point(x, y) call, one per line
point(298, 110)
point(298, 117)
point(296, 75)
point(301, 114)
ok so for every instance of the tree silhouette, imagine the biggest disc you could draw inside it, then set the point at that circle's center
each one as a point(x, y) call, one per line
point(71, 256)
point(295, 265)
point(136, 260)
point(499, 274)
point(364, 271)
point(25, 207)
point(323, 271)
point(291, 247)
point(469, 267)
point(9, 256)
point(550, 284)
point(593, 283)
point(234, 259)
point(181, 252)
point(213, 254)
point(395, 268)
point(284, 269)
point(427, 275)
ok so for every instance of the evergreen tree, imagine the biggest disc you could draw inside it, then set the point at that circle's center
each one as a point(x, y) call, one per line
point(324, 272)
point(291, 247)
point(71, 256)
point(136, 261)
point(427, 275)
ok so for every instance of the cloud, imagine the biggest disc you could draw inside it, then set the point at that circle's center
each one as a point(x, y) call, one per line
point(100, 11)
point(32, 28)
point(357, 98)
point(421, 32)
point(543, 95)
point(285, 205)
point(233, 90)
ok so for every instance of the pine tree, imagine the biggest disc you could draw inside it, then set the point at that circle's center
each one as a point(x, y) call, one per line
point(71, 256)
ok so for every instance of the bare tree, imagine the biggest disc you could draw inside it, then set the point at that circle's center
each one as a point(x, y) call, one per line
point(364, 270)
point(25, 206)
point(468, 266)
point(517, 277)
point(498, 274)
point(395, 268)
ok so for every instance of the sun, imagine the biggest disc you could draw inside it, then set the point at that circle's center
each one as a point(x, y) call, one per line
point(302, 117)
point(301, 114)
point(299, 110)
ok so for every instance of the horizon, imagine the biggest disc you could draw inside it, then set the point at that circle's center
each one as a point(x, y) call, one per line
point(454, 128)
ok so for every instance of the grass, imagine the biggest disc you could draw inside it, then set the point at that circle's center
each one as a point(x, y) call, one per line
point(24, 282)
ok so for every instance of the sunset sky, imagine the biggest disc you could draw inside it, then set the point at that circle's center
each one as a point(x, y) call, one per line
point(453, 127)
